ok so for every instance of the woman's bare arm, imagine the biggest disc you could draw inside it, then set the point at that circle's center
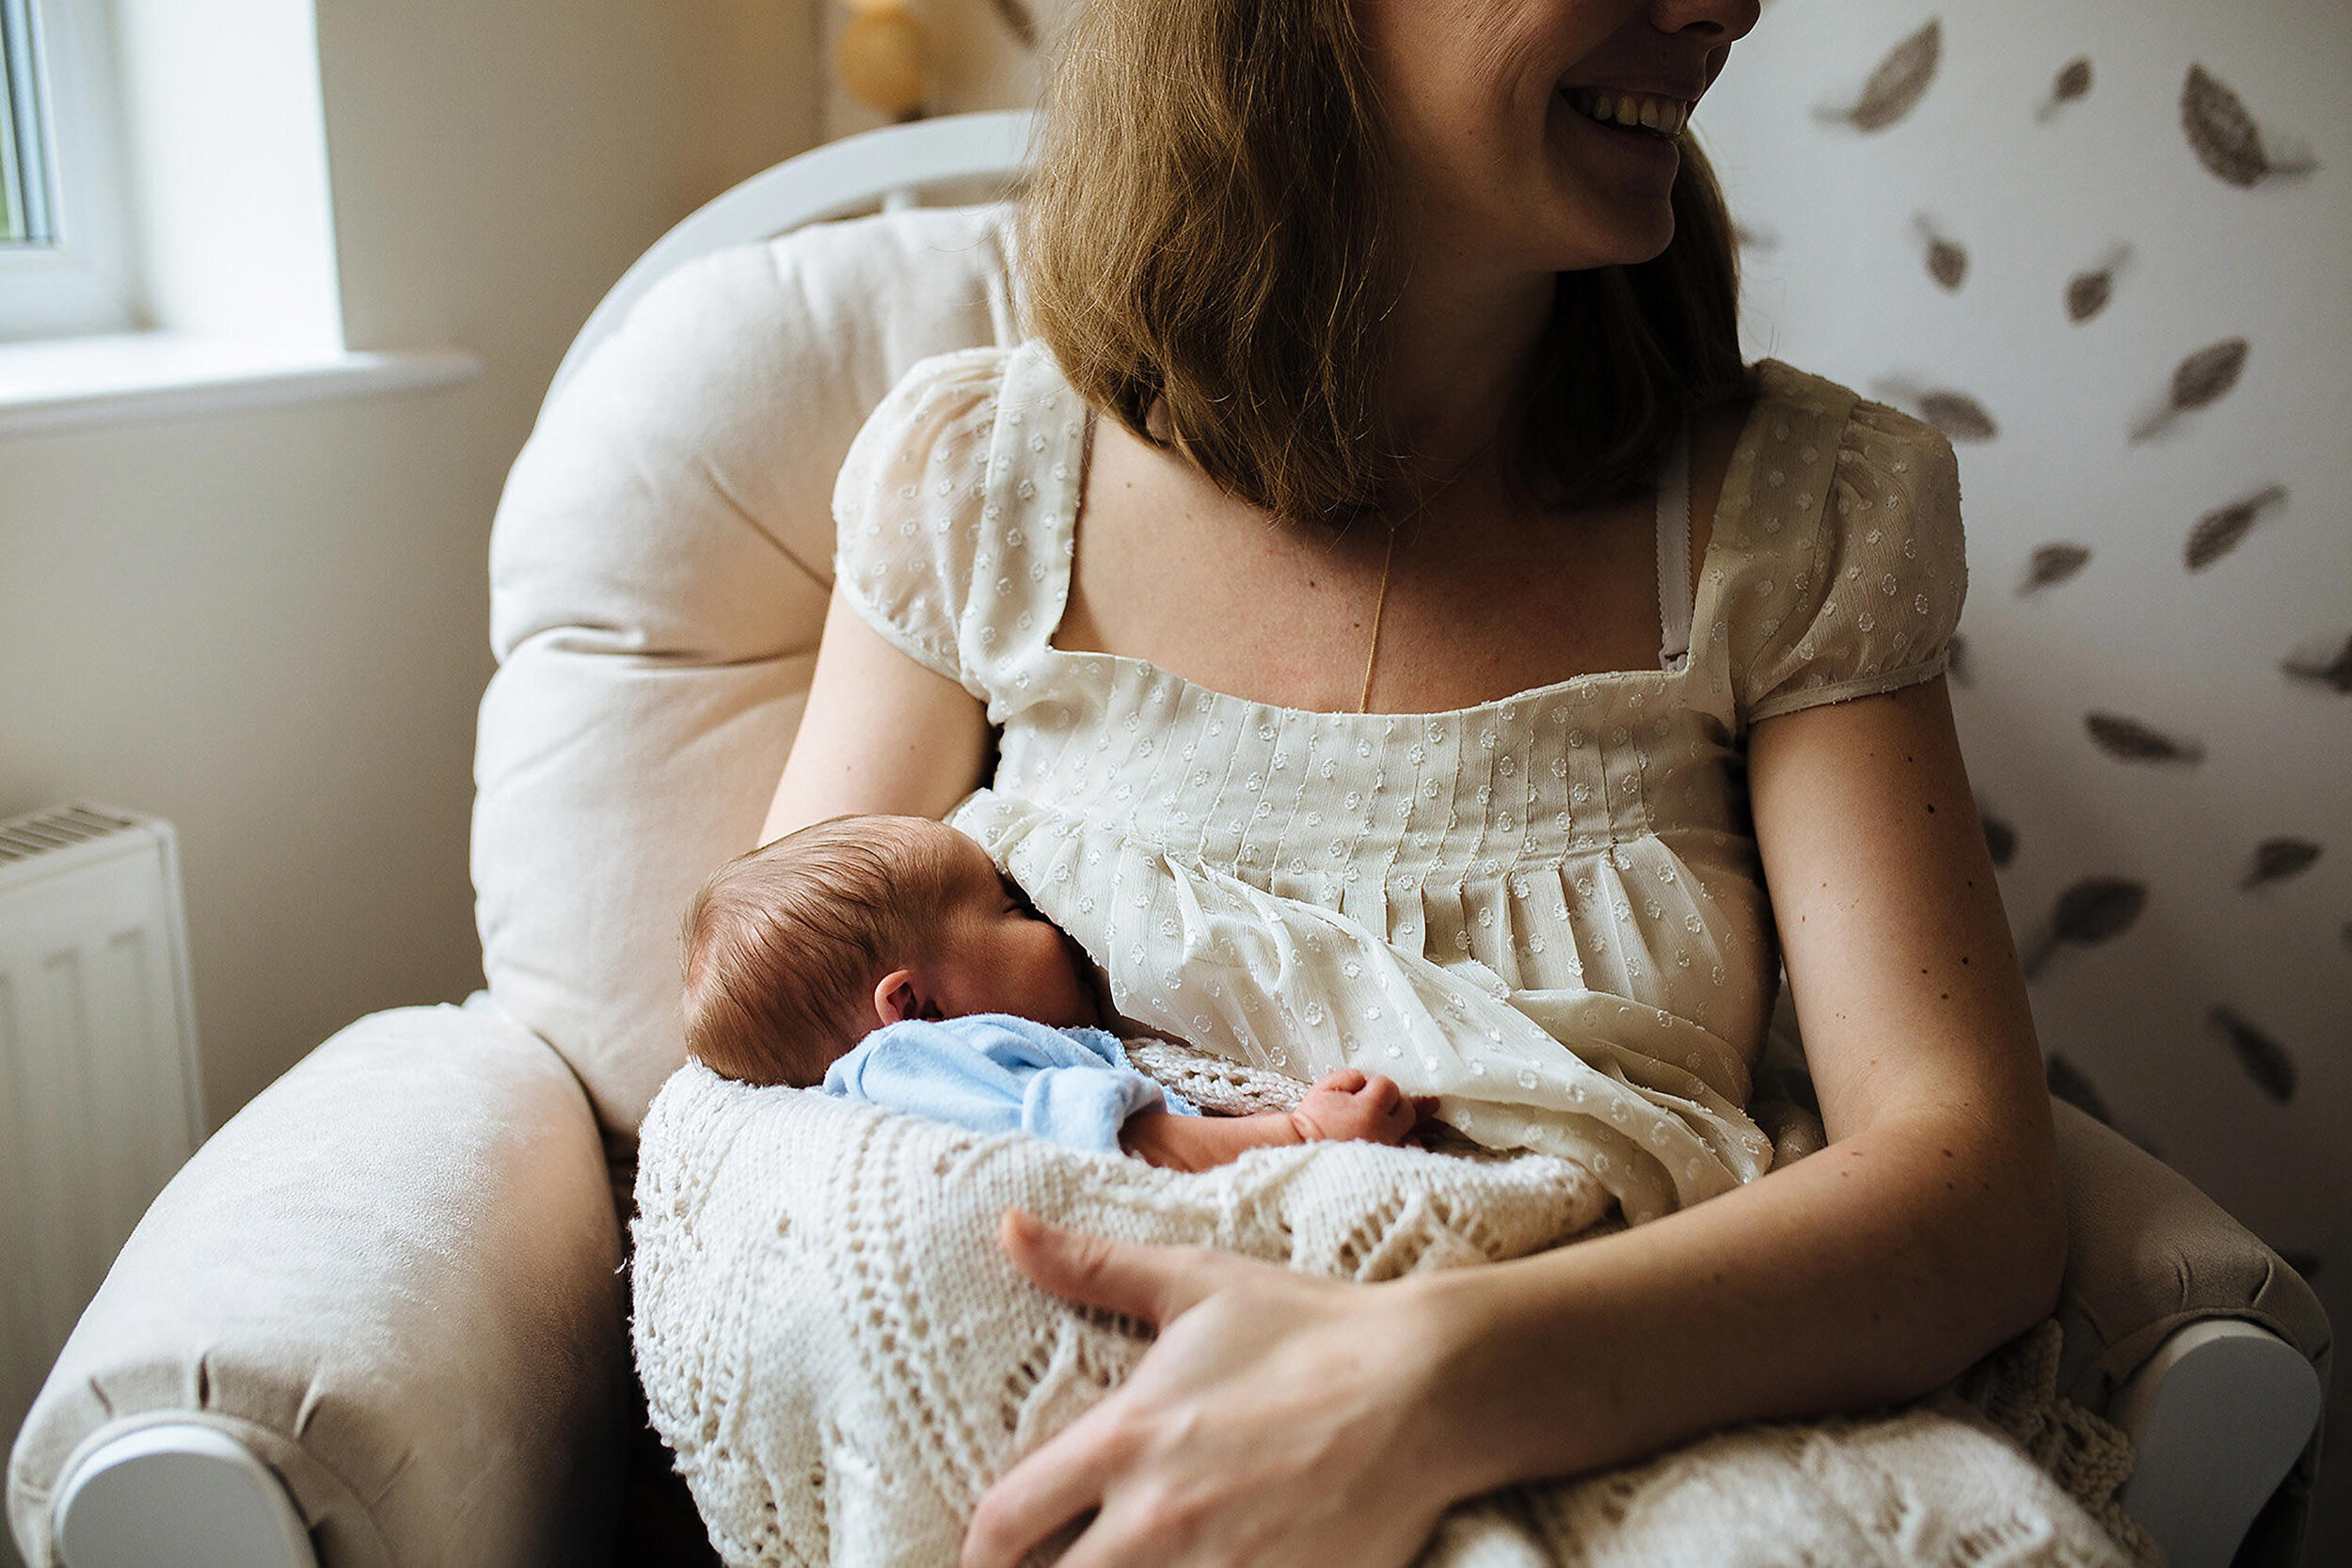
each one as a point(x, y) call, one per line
point(1929, 1230)
point(880, 734)
point(1931, 1227)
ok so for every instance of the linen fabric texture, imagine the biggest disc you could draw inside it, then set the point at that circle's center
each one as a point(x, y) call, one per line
point(1448, 898)
point(993, 1072)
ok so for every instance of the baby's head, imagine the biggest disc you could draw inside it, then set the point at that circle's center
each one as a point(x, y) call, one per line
point(798, 950)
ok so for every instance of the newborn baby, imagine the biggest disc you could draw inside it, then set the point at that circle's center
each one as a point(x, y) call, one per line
point(886, 960)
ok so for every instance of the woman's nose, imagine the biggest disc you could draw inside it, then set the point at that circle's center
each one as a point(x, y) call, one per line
point(1717, 21)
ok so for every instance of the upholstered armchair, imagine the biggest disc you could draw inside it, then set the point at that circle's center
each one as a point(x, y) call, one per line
point(380, 1318)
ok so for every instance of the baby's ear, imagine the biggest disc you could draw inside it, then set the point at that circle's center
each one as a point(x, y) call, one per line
point(902, 994)
point(896, 997)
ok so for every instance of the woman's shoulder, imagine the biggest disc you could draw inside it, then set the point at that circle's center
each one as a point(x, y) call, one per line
point(943, 402)
point(937, 387)
point(965, 452)
point(1843, 566)
point(1023, 372)
point(1784, 398)
point(907, 502)
point(1809, 448)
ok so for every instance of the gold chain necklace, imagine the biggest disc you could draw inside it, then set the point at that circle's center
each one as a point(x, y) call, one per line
point(1363, 698)
point(1387, 558)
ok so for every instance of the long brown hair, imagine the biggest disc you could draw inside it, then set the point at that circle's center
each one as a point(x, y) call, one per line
point(1207, 222)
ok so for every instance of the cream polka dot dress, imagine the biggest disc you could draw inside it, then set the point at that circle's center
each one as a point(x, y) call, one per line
point(1547, 911)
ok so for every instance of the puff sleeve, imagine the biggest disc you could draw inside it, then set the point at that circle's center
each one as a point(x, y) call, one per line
point(908, 505)
point(1871, 604)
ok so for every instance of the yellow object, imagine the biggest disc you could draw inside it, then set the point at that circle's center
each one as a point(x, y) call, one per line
point(880, 60)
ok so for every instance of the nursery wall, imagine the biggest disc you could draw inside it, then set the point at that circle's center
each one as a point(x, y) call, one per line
point(2107, 247)
point(271, 626)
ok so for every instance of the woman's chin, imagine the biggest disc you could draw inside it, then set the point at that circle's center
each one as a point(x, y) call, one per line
point(1618, 234)
point(1648, 242)
point(1617, 187)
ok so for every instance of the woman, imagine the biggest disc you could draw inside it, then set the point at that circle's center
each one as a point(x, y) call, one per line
point(1403, 350)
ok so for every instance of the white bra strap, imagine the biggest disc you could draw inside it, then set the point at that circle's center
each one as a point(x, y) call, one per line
point(1673, 555)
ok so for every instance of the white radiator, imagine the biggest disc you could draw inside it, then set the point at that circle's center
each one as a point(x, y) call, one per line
point(100, 1099)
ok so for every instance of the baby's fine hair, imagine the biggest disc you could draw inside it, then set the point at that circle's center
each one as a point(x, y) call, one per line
point(784, 945)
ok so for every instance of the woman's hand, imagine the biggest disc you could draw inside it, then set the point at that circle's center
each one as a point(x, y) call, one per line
point(1281, 1420)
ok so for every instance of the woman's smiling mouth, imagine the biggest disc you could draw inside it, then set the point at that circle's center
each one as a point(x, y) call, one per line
point(1630, 111)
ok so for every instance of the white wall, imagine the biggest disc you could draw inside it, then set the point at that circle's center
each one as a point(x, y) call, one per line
point(271, 626)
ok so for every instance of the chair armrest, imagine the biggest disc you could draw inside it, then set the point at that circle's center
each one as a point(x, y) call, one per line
point(2151, 1255)
point(2148, 1254)
point(394, 1278)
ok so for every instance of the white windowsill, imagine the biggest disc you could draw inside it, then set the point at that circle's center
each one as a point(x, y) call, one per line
point(70, 383)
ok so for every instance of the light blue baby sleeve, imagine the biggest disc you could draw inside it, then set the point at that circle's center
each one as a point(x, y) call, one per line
point(996, 1074)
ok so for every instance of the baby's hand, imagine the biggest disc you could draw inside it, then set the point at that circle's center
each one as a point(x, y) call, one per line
point(1347, 1104)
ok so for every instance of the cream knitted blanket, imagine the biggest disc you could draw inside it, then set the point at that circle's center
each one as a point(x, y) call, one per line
point(842, 1360)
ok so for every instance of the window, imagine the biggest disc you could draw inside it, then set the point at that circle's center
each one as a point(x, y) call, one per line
point(167, 243)
point(64, 266)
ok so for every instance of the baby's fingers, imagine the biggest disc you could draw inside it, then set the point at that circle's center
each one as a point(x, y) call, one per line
point(1342, 1080)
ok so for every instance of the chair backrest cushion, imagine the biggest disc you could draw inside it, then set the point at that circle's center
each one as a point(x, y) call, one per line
point(659, 571)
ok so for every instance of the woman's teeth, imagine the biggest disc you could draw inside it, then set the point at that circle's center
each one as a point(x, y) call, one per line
point(1631, 110)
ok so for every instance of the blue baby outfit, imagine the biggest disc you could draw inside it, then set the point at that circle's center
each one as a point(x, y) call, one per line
point(996, 1074)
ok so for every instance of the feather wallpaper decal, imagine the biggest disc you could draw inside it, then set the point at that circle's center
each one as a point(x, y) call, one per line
point(2334, 674)
point(2053, 564)
point(2218, 531)
point(2067, 1083)
point(2266, 1060)
point(2278, 859)
point(2208, 373)
point(1947, 258)
point(1958, 416)
point(2224, 135)
point(2088, 291)
point(2129, 740)
point(2071, 81)
point(2093, 911)
point(1901, 81)
point(2204, 378)
point(2000, 839)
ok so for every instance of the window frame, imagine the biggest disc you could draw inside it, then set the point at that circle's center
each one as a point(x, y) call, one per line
point(84, 280)
point(22, 127)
